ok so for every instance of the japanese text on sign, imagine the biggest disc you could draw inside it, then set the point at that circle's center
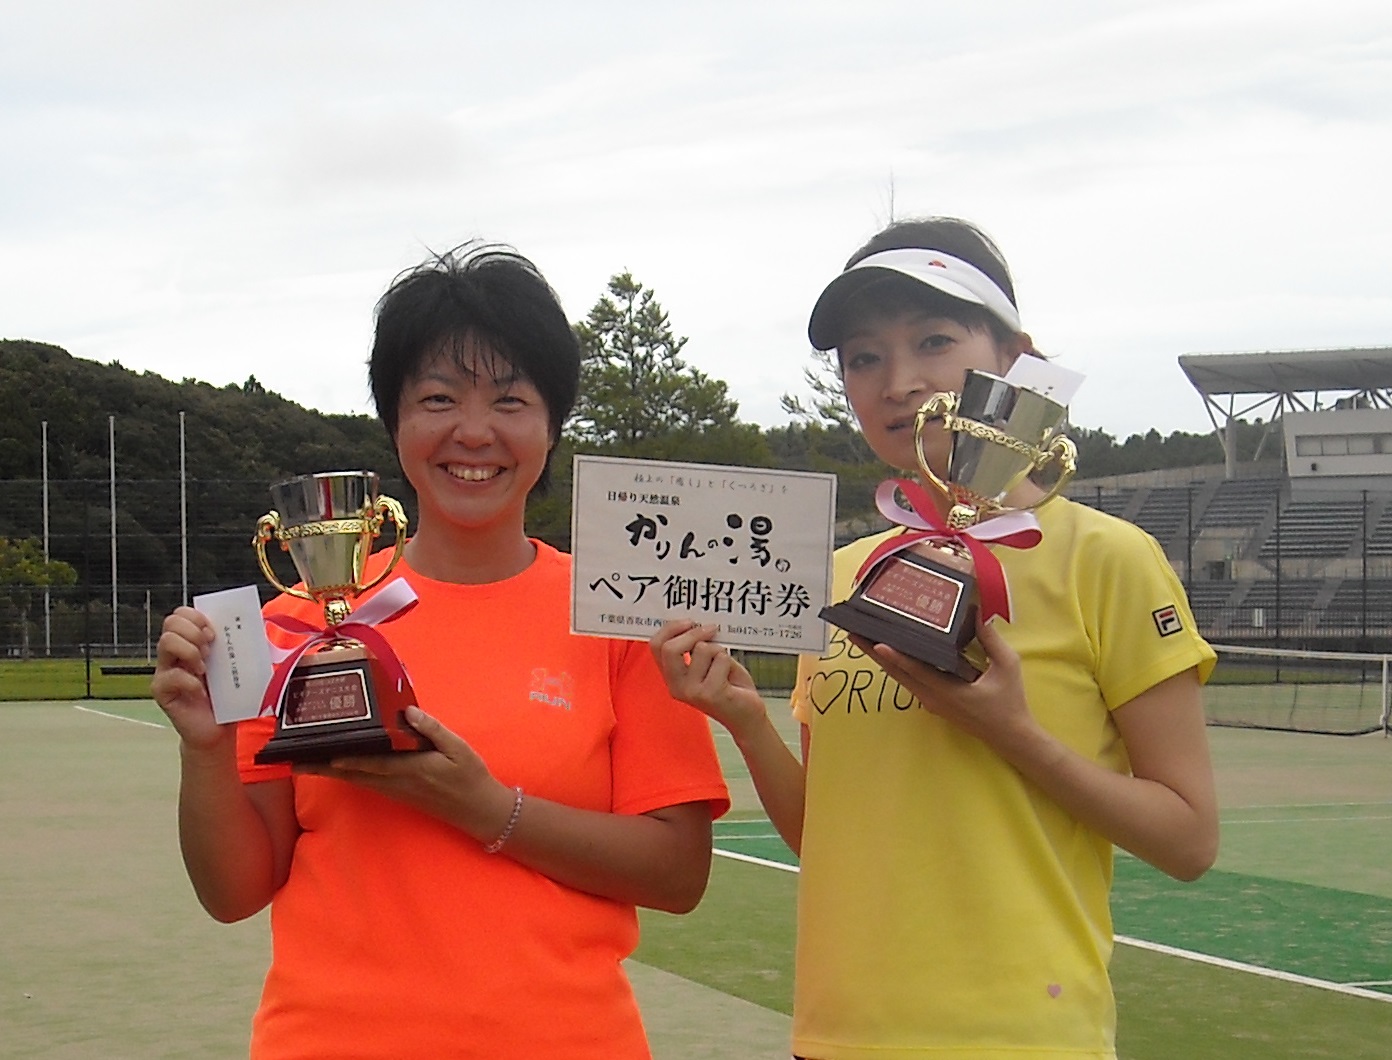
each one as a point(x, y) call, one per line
point(748, 549)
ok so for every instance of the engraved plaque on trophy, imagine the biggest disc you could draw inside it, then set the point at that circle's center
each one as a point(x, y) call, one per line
point(343, 691)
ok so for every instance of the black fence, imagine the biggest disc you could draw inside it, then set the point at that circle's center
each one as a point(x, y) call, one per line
point(170, 543)
point(1261, 567)
point(1265, 566)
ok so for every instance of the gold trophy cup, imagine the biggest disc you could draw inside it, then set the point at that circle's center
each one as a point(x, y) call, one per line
point(923, 599)
point(340, 695)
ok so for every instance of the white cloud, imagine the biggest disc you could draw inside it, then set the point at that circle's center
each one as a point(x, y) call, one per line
point(218, 192)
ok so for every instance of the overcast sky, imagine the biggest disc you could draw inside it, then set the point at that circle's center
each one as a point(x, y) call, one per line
point(220, 190)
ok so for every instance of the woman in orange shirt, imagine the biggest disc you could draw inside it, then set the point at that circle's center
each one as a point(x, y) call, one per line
point(477, 899)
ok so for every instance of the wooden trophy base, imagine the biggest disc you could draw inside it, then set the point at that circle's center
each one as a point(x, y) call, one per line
point(921, 602)
point(340, 702)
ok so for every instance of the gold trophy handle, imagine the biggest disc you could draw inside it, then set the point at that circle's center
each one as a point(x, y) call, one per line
point(268, 527)
point(388, 508)
point(944, 404)
point(1065, 452)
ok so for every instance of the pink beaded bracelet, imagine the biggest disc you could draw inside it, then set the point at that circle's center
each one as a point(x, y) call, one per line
point(497, 844)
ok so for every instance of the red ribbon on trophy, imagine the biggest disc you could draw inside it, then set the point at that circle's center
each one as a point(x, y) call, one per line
point(1018, 529)
point(390, 603)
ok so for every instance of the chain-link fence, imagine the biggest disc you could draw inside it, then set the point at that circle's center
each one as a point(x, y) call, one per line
point(170, 541)
point(1261, 566)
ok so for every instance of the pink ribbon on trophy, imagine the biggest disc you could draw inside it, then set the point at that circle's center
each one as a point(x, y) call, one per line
point(393, 601)
point(1018, 529)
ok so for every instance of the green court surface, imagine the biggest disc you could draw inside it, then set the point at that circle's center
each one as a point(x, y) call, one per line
point(1342, 937)
point(1268, 955)
point(105, 953)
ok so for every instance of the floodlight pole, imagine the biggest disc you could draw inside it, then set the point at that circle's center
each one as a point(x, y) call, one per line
point(1279, 616)
point(183, 511)
point(111, 448)
point(48, 621)
point(1189, 540)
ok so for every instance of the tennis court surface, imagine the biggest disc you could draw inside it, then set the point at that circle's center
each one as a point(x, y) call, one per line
point(1284, 950)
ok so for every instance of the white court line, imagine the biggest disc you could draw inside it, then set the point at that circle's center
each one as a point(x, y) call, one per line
point(1352, 990)
point(1267, 973)
point(738, 838)
point(755, 861)
point(1310, 806)
point(1310, 820)
point(118, 717)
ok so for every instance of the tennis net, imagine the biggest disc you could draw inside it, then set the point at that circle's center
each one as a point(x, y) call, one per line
point(1333, 693)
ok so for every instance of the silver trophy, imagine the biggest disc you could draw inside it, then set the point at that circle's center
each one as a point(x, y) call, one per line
point(1001, 434)
point(922, 600)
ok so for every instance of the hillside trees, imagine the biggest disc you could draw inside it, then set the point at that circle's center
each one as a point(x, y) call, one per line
point(642, 398)
point(1101, 455)
point(238, 440)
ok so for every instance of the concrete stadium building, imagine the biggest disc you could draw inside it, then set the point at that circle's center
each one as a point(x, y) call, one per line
point(1293, 547)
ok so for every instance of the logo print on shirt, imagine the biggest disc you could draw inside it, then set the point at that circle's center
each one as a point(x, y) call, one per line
point(553, 689)
point(1167, 620)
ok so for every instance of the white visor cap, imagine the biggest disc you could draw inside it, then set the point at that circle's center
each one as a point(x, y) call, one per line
point(942, 272)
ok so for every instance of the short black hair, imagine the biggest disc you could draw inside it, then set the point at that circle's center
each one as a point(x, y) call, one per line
point(478, 294)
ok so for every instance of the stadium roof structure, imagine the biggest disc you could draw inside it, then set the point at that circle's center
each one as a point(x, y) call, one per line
point(1290, 380)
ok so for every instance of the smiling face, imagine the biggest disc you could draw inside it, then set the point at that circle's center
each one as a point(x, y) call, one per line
point(893, 362)
point(473, 438)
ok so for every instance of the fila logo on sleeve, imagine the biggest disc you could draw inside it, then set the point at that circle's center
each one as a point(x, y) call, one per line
point(1167, 620)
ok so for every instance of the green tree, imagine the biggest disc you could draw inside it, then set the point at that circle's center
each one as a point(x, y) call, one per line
point(635, 389)
point(814, 445)
point(827, 404)
point(548, 513)
point(22, 570)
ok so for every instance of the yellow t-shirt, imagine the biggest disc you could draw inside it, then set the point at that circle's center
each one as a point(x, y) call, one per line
point(946, 907)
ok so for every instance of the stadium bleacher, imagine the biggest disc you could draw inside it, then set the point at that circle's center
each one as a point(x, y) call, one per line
point(1242, 502)
point(1316, 528)
point(1166, 513)
point(1260, 565)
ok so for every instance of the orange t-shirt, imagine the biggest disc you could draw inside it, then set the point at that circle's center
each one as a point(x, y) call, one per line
point(395, 935)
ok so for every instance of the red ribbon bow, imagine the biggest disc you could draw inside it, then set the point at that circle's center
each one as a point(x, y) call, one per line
point(392, 602)
point(1018, 529)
